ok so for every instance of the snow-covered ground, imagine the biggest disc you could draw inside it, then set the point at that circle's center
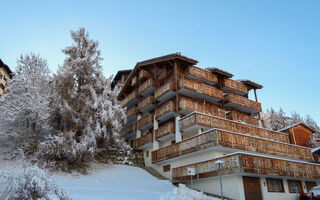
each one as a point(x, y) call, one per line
point(117, 182)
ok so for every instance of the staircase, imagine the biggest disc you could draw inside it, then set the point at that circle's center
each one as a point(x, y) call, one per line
point(154, 173)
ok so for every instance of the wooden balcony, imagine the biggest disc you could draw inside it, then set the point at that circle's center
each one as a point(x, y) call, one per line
point(248, 164)
point(191, 88)
point(166, 111)
point(201, 74)
point(199, 120)
point(146, 104)
point(143, 74)
point(226, 139)
point(146, 122)
point(239, 116)
point(132, 114)
point(129, 132)
point(243, 104)
point(130, 100)
point(143, 142)
point(235, 86)
point(187, 106)
point(165, 132)
point(165, 92)
point(146, 88)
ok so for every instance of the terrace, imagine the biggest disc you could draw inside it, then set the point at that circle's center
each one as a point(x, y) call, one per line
point(165, 92)
point(165, 132)
point(146, 122)
point(220, 139)
point(243, 104)
point(146, 104)
point(195, 121)
point(243, 163)
point(143, 142)
point(201, 74)
point(166, 111)
point(130, 100)
point(191, 88)
point(236, 87)
point(146, 88)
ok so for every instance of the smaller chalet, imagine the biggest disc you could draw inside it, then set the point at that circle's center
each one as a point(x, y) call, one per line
point(5, 74)
point(299, 134)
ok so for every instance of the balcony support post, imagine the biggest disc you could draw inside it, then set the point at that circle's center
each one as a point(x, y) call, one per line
point(155, 127)
point(178, 133)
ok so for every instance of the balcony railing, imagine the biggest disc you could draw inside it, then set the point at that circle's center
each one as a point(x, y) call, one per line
point(236, 86)
point(231, 140)
point(129, 100)
point(129, 130)
point(201, 74)
point(248, 163)
point(243, 104)
point(145, 122)
point(165, 131)
point(143, 74)
point(187, 106)
point(146, 88)
point(165, 92)
point(131, 114)
point(238, 116)
point(194, 89)
point(199, 119)
point(165, 111)
point(146, 105)
point(143, 142)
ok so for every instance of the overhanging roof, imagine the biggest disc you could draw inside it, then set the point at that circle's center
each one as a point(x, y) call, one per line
point(174, 56)
point(294, 125)
point(6, 67)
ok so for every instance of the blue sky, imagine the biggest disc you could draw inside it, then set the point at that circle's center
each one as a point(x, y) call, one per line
point(275, 43)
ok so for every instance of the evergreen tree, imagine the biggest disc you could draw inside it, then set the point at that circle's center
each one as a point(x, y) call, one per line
point(86, 113)
point(27, 100)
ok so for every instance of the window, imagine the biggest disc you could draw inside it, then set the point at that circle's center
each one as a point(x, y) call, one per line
point(294, 185)
point(166, 168)
point(147, 154)
point(173, 142)
point(275, 185)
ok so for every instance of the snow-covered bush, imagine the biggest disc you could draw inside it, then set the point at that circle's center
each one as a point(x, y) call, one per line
point(184, 193)
point(30, 183)
point(26, 105)
point(86, 114)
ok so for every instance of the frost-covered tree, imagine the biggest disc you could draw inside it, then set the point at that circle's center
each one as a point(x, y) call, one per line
point(27, 100)
point(30, 183)
point(275, 120)
point(86, 113)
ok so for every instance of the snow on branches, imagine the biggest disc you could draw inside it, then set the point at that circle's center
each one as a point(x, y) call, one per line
point(27, 100)
point(86, 113)
point(30, 182)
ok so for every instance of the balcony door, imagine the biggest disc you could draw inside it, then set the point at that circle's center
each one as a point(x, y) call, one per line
point(252, 188)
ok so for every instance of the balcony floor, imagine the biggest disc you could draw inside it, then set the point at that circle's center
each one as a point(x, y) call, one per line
point(167, 137)
point(242, 108)
point(147, 91)
point(167, 96)
point(200, 79)
point(236, 91)
point(190, 93)
point(131, 103)
point(145, 146)
point(131, 135)
point(147, 108)
point(146, 126)
point(166, 116)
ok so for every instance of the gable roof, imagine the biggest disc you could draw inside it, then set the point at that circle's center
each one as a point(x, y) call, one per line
point(118, 76)
point(6, 67)
point(173, 56)
point(294, 125)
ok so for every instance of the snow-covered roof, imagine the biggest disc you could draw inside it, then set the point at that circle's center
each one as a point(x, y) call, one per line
point(316, 149)
point(293, 125)
point(220, 71)
point(251, 84)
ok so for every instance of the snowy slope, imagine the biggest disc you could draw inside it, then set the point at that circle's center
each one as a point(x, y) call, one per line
point(117, 182)
point(114, 182)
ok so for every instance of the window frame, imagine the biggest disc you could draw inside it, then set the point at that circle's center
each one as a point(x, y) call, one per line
point(294, 181)
point(270, 181)
point(166, 168)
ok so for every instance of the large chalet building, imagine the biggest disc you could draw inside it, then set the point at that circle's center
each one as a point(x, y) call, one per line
point(181, 116)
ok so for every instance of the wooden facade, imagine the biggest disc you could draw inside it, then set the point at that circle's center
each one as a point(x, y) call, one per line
point(300, 134)
point(249, 164)
point(225, 124)
point(231, 140)
point(182, 111)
